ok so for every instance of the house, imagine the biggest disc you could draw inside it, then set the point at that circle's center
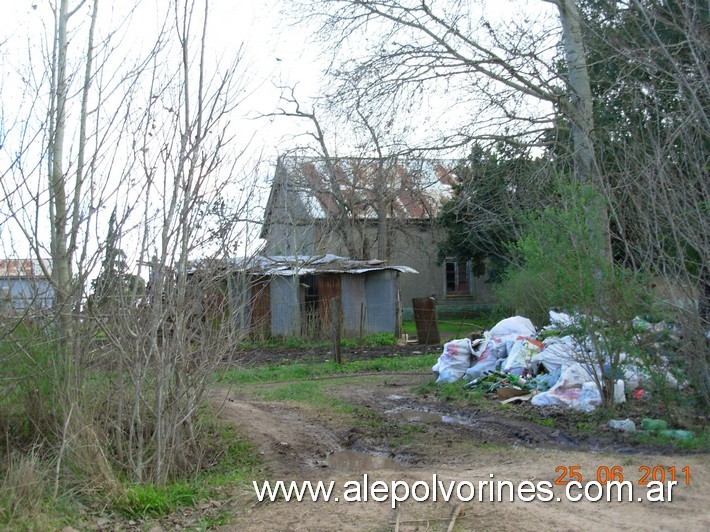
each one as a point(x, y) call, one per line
point(301, 295)
point(365, 209)
point(24, 286)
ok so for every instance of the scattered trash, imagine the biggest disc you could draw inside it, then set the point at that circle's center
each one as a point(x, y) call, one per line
point(520, 356)
point(493, 381)
point(644, 325)
point(624, 425)
point(563, 369)
point(556, 352)
point(491, 350)
point(585, 399)
point(509, 392)
point(517, 399)
point(573, 389)
point(640, 394)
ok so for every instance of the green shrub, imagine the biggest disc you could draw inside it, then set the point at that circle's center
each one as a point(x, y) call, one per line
point(563, 262)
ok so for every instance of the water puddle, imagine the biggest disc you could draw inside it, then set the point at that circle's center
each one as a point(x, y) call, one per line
point(424, 416)
point(416, 416)
point(349, 460)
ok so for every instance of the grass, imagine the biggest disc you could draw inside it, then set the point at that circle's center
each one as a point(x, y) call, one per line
point(236, 463)
point(145, 500)
point(281, 372)
point(462, 327)
point(315, 395)
point(276, 342)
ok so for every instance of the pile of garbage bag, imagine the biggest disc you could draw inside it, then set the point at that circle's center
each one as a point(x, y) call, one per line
point(552, 372)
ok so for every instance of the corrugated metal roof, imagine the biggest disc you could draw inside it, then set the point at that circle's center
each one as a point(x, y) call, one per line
point(414, 188)
point(313, 264)
point(289, 265)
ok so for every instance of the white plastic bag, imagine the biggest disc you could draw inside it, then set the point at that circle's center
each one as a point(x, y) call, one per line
point(490, 351)
point(585, 398)
point(560, 320)
point(520, 355)
point(516, 325)
point(454, 361)
point(574, 389)
point(556, 352)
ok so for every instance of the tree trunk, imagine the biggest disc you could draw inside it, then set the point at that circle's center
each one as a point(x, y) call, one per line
point(580, 112)
point(61, 261)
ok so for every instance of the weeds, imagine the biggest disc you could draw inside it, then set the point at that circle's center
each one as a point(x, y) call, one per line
point(273, 373)
point(145, 500)
point(302, 342)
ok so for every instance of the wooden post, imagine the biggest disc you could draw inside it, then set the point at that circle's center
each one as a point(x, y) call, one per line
point(425, 320)
point(337, 321)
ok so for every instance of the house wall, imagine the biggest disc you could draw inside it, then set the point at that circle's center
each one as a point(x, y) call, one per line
point(291, 230)
point(412, 243)
point(18, 294)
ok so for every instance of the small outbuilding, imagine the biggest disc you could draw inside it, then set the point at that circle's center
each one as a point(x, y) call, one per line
point(310, 295)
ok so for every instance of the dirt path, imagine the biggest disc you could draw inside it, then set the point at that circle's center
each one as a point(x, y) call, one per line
point(394, 434)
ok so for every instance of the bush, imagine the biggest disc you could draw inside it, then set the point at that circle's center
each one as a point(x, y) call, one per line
point(562, 261)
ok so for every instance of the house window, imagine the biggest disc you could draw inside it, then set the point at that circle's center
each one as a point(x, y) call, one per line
point(458, 281)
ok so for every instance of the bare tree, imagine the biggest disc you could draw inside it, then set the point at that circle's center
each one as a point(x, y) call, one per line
point(148, 136)
point(367, 196)
point(185, 326)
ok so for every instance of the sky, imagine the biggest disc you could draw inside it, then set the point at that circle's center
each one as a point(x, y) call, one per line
point(274, 55)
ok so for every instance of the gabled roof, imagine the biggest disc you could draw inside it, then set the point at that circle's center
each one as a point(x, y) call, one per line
point(413, 189)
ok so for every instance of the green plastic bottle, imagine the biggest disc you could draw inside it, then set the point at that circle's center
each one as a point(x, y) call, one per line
point(654, 424)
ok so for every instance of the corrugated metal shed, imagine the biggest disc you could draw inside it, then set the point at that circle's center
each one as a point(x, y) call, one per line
point(23, 285)
point(354, 305)
point(296, 295)
point(285, 306)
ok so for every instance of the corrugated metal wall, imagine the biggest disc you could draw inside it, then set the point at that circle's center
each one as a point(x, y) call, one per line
point(381, 301)
point(20, 294)
point(353, 290)
point(240, 302)
point(285, 306)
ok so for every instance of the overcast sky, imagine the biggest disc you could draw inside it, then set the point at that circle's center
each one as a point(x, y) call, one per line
point(275, 54)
